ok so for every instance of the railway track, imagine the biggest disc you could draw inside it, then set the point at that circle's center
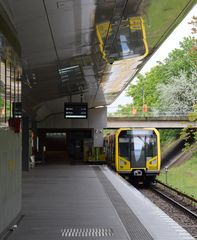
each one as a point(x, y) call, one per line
point(179, 206)
point(184, 202)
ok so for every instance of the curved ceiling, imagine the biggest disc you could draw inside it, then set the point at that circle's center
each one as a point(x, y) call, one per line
point(90, 49)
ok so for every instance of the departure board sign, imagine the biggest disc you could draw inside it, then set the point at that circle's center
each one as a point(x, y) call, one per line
point(75, 110)
point(17, 109)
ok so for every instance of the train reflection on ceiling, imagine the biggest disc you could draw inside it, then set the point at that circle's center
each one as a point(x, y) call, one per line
point(122, 47)
point(120, 44)
point(124, 40)
point(127, 33)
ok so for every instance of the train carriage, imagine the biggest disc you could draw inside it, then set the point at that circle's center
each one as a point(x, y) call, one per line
point(134, 153)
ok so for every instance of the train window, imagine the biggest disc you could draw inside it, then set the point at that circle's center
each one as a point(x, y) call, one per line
point(123, 140)
point(8, 90)
point(10, 71)
point(124, 44)
point(151, 147)
point(124, 147)
point(139, 132)
point(138, 149)
point(127, 40)
point(2, 90)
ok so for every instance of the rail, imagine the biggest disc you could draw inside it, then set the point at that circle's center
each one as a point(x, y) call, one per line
point(177, 191)
point(178, 198)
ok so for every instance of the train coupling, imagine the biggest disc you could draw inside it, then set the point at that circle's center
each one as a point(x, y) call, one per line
point(137, 173)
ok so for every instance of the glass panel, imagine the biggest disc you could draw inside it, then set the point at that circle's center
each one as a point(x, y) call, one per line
point(12, 86)
point(141, 132)
point(2, 91)
point(10, 70)
point(18, 85)
point(8, 91)
point(124, 147)
point(151, 147)
point(138, 151)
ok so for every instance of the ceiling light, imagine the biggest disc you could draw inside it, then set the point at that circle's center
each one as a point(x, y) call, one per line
point(100, 106)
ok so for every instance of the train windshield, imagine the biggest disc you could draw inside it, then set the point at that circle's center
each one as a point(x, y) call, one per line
point(137, 146)
point(124, 147)
point(129, 35)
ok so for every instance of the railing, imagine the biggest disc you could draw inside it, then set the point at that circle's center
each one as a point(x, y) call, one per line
point(150, 113)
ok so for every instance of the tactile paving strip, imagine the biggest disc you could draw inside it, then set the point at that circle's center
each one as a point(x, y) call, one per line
point(86, 232)
point(132, 224)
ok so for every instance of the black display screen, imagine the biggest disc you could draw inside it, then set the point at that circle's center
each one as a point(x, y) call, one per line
point(17, 109)
point(75, 110)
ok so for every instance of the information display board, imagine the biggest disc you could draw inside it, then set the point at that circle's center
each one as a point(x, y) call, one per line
point(75, 110)
point(17, 109)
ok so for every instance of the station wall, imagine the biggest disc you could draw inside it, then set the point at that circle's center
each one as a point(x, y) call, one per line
point(97, 120)
point(10, 176)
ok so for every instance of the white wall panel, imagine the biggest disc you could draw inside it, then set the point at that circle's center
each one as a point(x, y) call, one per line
point(10, 176)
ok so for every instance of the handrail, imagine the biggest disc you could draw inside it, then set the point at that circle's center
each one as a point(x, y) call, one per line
point(151, 112)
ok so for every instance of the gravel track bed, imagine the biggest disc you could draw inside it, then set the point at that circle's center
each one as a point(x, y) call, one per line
point(188, 223)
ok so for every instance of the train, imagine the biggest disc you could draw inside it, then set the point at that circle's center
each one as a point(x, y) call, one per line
point(130, 39)
point(134, 153)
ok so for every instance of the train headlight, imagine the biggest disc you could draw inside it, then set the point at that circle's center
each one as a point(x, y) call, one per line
point(153, 162)
point(122, 162)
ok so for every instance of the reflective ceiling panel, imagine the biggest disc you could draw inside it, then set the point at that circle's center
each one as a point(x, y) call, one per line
point(87, 47)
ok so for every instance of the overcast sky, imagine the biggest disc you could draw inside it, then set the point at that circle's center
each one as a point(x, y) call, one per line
point(172, 42)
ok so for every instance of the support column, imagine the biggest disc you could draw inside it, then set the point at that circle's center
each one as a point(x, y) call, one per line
point(34, 130)
point(25, 143)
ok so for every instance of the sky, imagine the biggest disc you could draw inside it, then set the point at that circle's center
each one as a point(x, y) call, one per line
point(172, 42)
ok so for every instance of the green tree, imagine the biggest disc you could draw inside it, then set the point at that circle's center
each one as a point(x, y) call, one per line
point(183, 59)
point(145, 91)
point(180, 94)
point(189, 132)
point(178, 61)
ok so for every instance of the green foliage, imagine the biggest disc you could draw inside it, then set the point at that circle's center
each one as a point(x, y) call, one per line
point(1, 102)
point(180, 93)
point(178, 74)
point(169, 134)
point(178, 61)
point(147, 86)
point(189, 132)
point(193, 115)
point(182, 59)
point(155, 22)
point(183, 177)
point(1, 96)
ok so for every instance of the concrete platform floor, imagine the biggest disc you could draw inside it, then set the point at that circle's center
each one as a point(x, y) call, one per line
point(62, 200)
point(88, 202)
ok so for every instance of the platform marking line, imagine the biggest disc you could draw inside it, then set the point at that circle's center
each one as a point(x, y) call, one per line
point(86, 232)
point(156, 212)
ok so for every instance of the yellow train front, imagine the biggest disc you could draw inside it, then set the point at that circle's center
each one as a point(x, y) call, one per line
point(134, 153)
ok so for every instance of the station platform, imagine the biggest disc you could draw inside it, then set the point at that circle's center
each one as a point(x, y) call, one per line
point(88, 202)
